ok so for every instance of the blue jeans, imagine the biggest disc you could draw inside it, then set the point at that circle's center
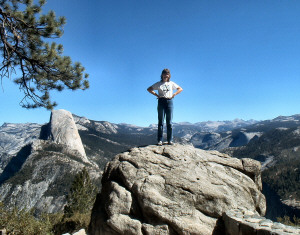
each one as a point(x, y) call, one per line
point(165, 109)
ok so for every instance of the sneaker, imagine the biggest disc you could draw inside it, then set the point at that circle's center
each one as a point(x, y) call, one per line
point(170, 143)
point(159, 143)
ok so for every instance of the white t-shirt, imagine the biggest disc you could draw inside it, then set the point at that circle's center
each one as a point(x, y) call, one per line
point(165, 89)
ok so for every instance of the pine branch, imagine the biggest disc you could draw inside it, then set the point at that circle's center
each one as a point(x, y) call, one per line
point(42, 67)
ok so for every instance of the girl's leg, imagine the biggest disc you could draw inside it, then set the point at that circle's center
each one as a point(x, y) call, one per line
point(169, 117)
point(161, 114)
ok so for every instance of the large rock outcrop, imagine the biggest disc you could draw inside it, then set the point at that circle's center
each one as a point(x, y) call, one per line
point(62, 130)
point(174, 190)
point(39, 163)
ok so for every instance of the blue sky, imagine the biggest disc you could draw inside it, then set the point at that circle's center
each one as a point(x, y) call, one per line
point(233, 59)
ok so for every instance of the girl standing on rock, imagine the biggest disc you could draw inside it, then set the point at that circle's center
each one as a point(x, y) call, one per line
point(165, 103)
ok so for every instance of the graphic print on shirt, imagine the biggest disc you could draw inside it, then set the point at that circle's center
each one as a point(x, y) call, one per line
point(165, 88)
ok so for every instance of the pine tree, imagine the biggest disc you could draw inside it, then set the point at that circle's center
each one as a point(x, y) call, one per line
point(82, 195)
point(39, 66)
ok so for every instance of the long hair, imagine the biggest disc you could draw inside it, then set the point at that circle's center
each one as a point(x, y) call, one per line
point(165, 71)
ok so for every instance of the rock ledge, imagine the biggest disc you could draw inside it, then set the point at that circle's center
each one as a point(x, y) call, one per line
point(174, 190)
point(238, 222)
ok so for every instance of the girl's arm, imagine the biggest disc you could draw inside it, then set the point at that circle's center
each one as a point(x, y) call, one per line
point(179, 89)
point(150, 90)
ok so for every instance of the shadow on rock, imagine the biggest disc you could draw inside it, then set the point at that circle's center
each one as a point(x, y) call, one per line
point(15, 164)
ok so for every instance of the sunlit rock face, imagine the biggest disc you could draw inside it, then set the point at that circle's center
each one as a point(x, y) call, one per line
point(38, 163)
point(237, 222)
point(63, 130)
point(174, 190)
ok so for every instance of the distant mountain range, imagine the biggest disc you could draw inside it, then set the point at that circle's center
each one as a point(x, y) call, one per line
point(273, 142)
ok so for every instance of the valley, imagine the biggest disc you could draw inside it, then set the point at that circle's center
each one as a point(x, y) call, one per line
point(275, 143)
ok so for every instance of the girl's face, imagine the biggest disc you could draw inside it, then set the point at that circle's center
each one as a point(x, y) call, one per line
point(165, 77)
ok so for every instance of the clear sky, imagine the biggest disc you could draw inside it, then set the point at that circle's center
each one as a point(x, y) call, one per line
point(233, 59)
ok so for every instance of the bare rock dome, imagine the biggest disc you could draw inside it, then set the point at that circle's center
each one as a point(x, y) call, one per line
point(63, 130)
point(174, 190)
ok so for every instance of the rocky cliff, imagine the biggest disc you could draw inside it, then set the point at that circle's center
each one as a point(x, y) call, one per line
point(38, 173)
point(174, 190)
point(62, 130)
